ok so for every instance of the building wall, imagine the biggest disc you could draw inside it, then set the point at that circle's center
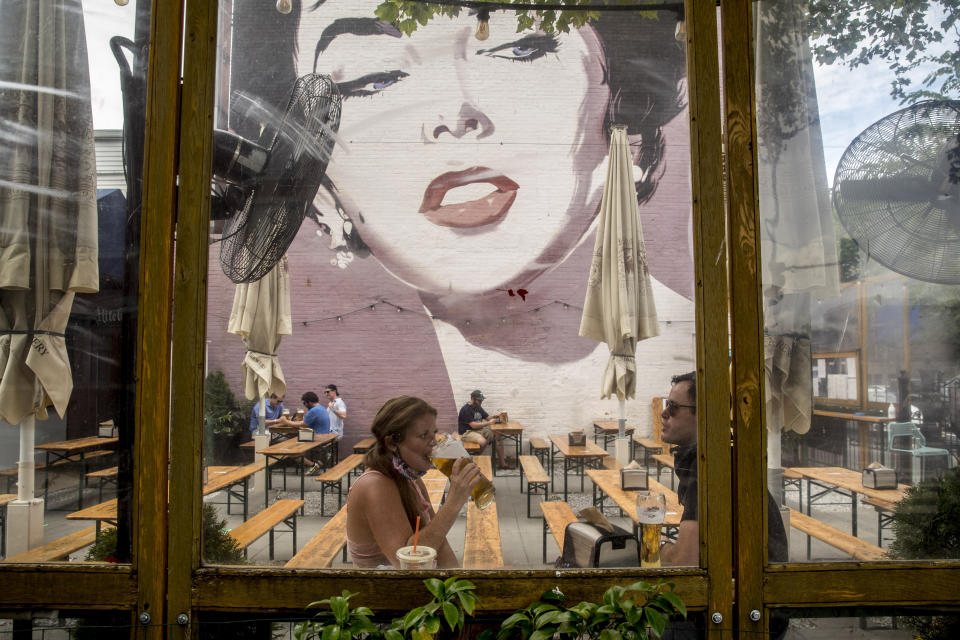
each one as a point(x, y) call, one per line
point(396, 293)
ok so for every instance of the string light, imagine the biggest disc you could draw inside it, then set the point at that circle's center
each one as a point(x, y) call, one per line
point(284, 6)
point(483, 24)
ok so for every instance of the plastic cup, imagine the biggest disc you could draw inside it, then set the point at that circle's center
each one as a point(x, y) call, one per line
point(422, 558)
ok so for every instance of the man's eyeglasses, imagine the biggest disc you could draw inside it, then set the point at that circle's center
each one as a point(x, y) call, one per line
point(672, 407)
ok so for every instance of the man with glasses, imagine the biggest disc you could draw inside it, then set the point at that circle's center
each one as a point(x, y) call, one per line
point(679, 419)
point(336, 409)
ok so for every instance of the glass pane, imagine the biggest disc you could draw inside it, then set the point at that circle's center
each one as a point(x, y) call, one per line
point(72, 91)
point(64, 625)
point(859, 251)
point(867, 623)
point(445, 249)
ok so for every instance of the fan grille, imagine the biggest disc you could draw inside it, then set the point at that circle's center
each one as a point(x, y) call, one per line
point(896, 191)
point(257, 236)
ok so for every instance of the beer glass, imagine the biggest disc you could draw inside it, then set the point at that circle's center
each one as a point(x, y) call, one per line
point(445, 453)
point(651, 511)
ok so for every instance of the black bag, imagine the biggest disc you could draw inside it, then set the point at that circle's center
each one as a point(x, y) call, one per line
point(586, 546)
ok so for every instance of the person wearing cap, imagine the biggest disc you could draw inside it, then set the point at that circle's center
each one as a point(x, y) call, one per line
point(473, 424)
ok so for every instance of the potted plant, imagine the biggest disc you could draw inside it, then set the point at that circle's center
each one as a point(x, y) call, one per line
point(926, 525)
point(640, 611)
point(225, 420)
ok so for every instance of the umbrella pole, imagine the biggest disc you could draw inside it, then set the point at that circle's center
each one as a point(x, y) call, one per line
point(622, 448)
point(261, 441)
point(25, 514)
point(262, 417)
point(26, 464)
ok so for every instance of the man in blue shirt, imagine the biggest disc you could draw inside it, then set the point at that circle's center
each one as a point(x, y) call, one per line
point(273, 412)
point(316, 419)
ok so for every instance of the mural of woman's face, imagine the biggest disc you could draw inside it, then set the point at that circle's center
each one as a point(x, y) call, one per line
point(465, 165)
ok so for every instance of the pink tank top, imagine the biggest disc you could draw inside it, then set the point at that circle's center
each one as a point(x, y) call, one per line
point(369, 555)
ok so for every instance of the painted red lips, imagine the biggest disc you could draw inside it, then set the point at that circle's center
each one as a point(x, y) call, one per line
point(474, 213)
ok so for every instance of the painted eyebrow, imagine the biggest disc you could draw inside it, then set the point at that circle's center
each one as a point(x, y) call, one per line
point(355, 27)
point(539, 39)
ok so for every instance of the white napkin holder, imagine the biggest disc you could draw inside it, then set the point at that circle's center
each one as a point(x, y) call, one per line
point(633, 479)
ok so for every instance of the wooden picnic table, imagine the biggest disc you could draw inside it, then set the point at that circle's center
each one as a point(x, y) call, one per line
point(294, 450)
point(509, 431)
point(574, 457)
point(609, 430)
point(236, 481)
point(607, 481)
point(74, 450)
point(844, 482)
point(103, 512)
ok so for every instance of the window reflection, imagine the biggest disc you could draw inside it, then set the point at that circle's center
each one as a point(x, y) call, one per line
point(859, 361)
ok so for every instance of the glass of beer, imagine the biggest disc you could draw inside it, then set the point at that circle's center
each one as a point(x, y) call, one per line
point(651, 511)
point(445, 453)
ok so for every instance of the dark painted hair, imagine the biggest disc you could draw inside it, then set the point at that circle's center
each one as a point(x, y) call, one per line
point(389, 429)
point(691, 377)
point(644, 66)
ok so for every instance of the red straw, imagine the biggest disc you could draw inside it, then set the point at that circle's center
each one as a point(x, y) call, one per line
point(416, 532)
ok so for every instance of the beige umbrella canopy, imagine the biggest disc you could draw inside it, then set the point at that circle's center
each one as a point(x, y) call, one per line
point(48, 215)
point(619, 307)
point(261, 316)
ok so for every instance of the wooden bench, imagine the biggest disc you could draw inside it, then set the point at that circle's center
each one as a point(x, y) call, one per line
point(230, 477)
point(540, 448)
point(333, 477)
point(364, 445)
point(556, 517)
point(610, 462)
point(436, 484)
point(322, 548)
point(653, 444)
point(103, 477)
point(486, 466)
point(473, 448)
point(11, 474)
point(538, 482)
point(60, 548)
point(834, 537)
point(281, 511)
point(664, 460)
point(481, 545)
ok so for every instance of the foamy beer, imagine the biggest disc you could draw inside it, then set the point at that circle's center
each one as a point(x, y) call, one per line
point(445, 453)
point(651, 511)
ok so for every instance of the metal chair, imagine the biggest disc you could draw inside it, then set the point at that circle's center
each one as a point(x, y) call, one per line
point(917, 449)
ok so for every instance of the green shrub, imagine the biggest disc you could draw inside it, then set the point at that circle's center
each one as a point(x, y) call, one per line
point(222, 412)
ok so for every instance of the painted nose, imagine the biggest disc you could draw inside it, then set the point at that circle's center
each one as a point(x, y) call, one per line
point(469, 122)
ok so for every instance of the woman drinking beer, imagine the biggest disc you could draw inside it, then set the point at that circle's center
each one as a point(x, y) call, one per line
point(386, 500)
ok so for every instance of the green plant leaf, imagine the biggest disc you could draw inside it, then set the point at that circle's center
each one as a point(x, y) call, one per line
point(610, 634)
point(451, 614)
point(421, 634)
point(435, 587)
point(432, 624)
point(675, 601)
point(468, 601)
point(656, 620)
point(513, 619)
point(413, 616)
point(330, 632)
point(392, 634)
point(455, 585)
point(542, 634)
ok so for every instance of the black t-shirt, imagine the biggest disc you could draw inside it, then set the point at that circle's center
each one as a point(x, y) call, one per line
point(469, 413)
point(685, 466)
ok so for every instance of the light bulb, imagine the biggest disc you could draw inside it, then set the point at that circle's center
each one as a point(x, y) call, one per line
point(284, 6)
point(122, 3)
point(483, 24)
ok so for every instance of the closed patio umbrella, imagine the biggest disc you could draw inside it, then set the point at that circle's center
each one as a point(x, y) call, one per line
point(261, 316)
point(48, 210)
point(619, 307)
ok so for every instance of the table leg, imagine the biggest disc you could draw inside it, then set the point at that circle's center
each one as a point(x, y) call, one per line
point(853, 504)
point(551, 467)
point(246, 496)
point(303, 473)
point(82, 479)
point(269, 483)
point(566, 467)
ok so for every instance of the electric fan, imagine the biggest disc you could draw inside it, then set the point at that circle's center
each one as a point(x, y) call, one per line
point(263, 191)
point(897, 191)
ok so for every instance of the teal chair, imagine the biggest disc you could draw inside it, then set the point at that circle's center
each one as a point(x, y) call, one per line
point(915, 446)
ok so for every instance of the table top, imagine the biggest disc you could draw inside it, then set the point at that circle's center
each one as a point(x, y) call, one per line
point(103, 511)
point(853, 416)
point(850, 480)
point(293, 447)
point(220, 477)
point(589, 450)
point(610, 427)
point(77, 444)
point(608, 480)
point(511, 428)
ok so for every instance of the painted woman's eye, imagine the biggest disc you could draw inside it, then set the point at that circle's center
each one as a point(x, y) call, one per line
point(370, 84)
point(526, 49)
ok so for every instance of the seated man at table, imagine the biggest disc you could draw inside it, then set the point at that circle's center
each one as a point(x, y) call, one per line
point(272, 413)
point(316, 418)
point(679, 420)
point(473, 425)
